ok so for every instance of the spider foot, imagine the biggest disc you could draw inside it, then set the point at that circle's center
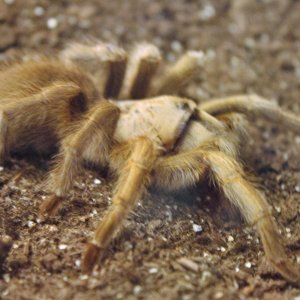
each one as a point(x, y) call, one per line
point(288, 270)
point(90, 257)
point(50, 206)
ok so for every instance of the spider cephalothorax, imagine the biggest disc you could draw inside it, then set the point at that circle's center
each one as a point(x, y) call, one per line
point(76, 103)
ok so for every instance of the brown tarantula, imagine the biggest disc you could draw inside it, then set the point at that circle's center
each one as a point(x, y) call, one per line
point(76, 102)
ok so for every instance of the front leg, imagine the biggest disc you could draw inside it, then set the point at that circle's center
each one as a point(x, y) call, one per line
point(252, 106)
point(91, 136)
point(133, 179)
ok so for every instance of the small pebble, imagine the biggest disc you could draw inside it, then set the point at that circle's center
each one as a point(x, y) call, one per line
point(197, 228)
point(137, 289)
point(39, 11)
point(53, 228)
point(176, 46)
point(237, 269)
point(230, 238)
point(6, 278)
point(222, 249)
point(9, 2)
point(153, 270)
point(278, 209)
point(97, 181)
point(218, 295)
point(52, 23)
point(207, 12)
point(296, 298)
point(62, 247)
point(188, 264)
point(77, 263)
point(84, 277)
point(297, 188)
point(30, 224)
point(1, 168)
point(248, 264)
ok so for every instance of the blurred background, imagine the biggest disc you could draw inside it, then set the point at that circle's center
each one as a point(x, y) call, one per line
point(255, 45)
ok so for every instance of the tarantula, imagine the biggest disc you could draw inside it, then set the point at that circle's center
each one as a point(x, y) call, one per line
point(76, 103)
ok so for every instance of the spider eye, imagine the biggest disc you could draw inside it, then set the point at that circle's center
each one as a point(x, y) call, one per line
point(183, 106)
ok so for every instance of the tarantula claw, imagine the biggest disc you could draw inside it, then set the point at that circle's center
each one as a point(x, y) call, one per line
point(90, 257)
point(50, 206)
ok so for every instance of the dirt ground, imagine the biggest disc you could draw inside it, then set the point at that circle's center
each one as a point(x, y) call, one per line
point(256, 48)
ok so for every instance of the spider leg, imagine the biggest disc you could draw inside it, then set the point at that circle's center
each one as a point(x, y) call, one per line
point(252, 105)
point(184, 70)
point(180, 170)
point(236, 123)
point(115, 60)
point(188, 168)
point(90, 140)
point(106, 62)
point(63, 98)
point(252, 204)
point(143, 63)
point(134, 177)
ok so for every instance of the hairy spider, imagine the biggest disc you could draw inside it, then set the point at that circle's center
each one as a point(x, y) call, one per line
point(76, 103)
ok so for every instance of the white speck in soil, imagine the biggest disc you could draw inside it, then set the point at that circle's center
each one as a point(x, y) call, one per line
point(97, 181)
point(207, 12)
point(30, 224)
point(52, 23)
point(285, 156)
point(248, 265)
point(6, 278)
point(9, 2)
point(230, 238)
point(137, 289)
point(39, 11)
point(278, 209)
point(197, 228)
point(62, 247)
point(297, 138)
point(77, 263)
point(153, 270)
point(176, 46)
point(218, 295)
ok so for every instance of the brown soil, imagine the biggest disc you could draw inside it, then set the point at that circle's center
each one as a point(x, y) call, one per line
point(159, 256)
